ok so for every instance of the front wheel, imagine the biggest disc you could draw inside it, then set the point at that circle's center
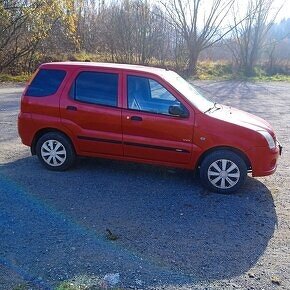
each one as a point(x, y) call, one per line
point(55, 151)
point(223, 171)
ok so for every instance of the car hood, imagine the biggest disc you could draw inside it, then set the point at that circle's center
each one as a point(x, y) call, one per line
point(240, 118)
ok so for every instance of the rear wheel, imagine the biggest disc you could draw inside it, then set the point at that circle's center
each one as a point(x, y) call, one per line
point(55, 151)
point(223, 171)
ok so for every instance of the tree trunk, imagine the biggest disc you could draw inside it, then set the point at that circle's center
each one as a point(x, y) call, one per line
point(249, 70)
point(192, 63)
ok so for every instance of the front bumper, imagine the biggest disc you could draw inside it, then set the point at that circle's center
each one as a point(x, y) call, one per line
point(264, 160)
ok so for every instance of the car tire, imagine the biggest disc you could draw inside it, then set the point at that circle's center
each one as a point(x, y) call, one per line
point(55, 151)
point(223, 171)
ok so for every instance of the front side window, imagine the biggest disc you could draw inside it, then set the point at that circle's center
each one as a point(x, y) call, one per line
point(45, 83)
point(148, 95)
point(96, 88)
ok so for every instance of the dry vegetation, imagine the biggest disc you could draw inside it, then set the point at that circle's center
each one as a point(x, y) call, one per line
point(181, 35)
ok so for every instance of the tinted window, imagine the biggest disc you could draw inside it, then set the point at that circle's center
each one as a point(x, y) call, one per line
point(159, 92)
point(96, 88)
point(148, 95)
point(45, 83)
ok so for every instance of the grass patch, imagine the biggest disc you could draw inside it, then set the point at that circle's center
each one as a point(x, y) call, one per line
point(207, 70)
point(224, 71)
point(16, 79)
point(71, 286)
point(274, 78)
point(85, 282)
point(22, 287)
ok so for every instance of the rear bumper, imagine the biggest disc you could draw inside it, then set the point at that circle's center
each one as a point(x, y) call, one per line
point(264, 160)
point(24, 128)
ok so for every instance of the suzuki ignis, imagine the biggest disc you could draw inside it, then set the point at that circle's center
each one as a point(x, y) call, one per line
point(141, 114)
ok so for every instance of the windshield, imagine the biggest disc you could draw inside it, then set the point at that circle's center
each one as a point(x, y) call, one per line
point(188, 91)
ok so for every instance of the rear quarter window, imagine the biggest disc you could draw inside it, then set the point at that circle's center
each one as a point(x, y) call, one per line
point(45, 83)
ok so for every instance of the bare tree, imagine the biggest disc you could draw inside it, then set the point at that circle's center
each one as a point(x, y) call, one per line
point(250, 35)
point(134, 32)
point(200, 23)
point(172, 33)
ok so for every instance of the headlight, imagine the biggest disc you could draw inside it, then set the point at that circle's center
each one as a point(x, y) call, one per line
point(268, 138)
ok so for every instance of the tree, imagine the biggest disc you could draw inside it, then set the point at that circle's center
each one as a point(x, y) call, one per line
point(200, 26)
point(250, 35)
point(24, 24)
point(134, 32)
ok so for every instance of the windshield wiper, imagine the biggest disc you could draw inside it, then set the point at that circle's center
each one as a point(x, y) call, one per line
point(213, 107)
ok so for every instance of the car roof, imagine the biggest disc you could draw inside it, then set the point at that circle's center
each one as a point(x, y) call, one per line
point(131, 67)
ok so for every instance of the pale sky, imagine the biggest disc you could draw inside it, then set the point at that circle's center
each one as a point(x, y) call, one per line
point(285, 11)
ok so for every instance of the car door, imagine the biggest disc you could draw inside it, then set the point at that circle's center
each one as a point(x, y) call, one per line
point(149, 131)
point(90, 108)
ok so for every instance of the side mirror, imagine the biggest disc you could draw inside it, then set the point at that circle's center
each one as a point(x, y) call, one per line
point(178, 110)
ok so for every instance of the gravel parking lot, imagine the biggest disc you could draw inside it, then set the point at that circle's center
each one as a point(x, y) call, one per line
point(172, 234)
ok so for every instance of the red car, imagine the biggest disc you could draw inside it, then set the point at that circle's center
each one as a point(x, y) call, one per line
point(141, 114)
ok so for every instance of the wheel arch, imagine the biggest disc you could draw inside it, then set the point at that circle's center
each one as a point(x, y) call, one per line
point(44, 131)
point(232, 149)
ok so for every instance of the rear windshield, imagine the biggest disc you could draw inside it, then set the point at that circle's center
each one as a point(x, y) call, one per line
point(45, 83)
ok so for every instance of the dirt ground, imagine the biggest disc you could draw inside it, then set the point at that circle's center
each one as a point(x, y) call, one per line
point(172, 234)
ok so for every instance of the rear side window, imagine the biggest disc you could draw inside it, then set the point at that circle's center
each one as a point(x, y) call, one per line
point(45, 83)
point(96, 88)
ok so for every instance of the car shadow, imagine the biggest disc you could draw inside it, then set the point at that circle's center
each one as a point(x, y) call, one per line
point(168, 229)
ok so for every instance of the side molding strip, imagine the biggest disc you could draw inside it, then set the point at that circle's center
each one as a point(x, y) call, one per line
point(133, 144)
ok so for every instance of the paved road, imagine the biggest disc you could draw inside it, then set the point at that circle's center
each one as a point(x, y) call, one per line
point(171, 232)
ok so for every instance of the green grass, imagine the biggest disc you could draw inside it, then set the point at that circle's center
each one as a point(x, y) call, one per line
point(68, 286)
point(85, 282)
point(71, 286)
point(206, 70)
point(24, 286)
point(16, 79)
point(274, 78)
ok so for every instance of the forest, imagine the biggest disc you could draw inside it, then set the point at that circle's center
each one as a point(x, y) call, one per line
point(193, 37)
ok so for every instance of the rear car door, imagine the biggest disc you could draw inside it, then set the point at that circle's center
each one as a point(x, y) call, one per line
point(149, 131)
point(90, 108)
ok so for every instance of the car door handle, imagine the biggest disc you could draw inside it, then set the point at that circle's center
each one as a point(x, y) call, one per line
point(136, 118)
point(71, 108)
